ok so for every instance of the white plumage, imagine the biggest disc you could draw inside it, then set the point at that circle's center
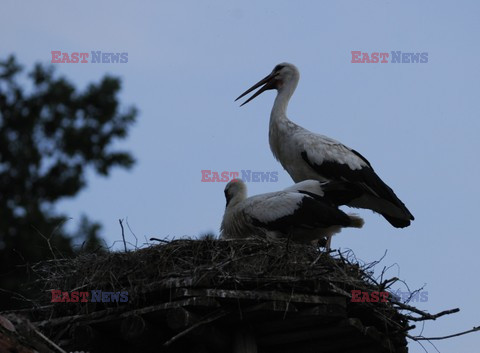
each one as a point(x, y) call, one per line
point(303, 212)
point(306, 155)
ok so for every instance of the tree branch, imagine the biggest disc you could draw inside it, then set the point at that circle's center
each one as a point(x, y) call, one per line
point(421, 338)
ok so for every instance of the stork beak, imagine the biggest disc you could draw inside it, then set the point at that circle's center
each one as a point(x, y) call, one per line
point(268, 82)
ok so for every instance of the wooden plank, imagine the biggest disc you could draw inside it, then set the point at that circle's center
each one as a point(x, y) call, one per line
point(111, 314)
point(371, 332)
point(271, 310)
point(178, 282)
point(331, 310)
point(188, 302)
point(266, 281)
point(260, 295)
point(272, 306)
point(62, 321)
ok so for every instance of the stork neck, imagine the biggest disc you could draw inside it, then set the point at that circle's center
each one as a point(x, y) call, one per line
point(239, 196)
point(280, 125)
point(281, 102)
point(285, 92)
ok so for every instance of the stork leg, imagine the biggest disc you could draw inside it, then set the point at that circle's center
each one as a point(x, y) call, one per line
point(329, 241)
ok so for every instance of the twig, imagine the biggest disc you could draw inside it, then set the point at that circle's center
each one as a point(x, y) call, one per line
point(432, 346)
point(58, 226)
point(316, 260)
point(387, 281)
point(131, 231)
point(423, 314)
point(209, 318)
point(160, 240)
point(46, 239)
point(421, 338)
point(44, 338)
point(18, 296)
point(123, 234)
point(405, 329)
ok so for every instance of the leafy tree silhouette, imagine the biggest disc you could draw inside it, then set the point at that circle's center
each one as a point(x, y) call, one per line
point(50, 135)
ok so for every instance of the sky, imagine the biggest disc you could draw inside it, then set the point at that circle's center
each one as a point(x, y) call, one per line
point(417, 123)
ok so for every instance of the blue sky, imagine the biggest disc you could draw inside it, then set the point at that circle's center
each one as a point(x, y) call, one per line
point(418, 124)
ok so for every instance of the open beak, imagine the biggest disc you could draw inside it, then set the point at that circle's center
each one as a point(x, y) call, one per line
point(268, 82)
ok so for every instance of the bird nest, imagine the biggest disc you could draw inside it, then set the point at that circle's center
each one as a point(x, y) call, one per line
point(254, 264)
point(184, 284)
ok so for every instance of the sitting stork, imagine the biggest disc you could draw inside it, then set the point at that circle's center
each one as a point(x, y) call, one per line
point(306, 155)
point(304, 212)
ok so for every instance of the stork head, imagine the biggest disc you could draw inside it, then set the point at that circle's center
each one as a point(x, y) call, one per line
point(235, 191)
point(281, 75)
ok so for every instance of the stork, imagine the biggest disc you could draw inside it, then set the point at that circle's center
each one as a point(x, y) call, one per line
point(304, 212)
point(307, 155)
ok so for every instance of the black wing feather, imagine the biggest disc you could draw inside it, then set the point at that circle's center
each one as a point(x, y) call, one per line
point(311, 213)
point(340, 192)
point(366, 179)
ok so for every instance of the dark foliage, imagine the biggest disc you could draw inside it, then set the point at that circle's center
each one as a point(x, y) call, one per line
point(51, 134)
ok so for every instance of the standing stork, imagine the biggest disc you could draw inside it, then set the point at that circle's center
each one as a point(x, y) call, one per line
point(306, 155)
point(304, 212)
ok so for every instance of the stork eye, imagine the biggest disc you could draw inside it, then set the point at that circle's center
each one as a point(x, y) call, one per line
point(278, 68)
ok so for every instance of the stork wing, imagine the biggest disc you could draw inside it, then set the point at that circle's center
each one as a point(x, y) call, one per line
point(310, 185)
point(325, 149)
point(335, 192)
point(335, 161)
point(286, 210)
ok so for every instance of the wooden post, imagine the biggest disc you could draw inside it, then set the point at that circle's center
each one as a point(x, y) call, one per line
point(244, 341)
